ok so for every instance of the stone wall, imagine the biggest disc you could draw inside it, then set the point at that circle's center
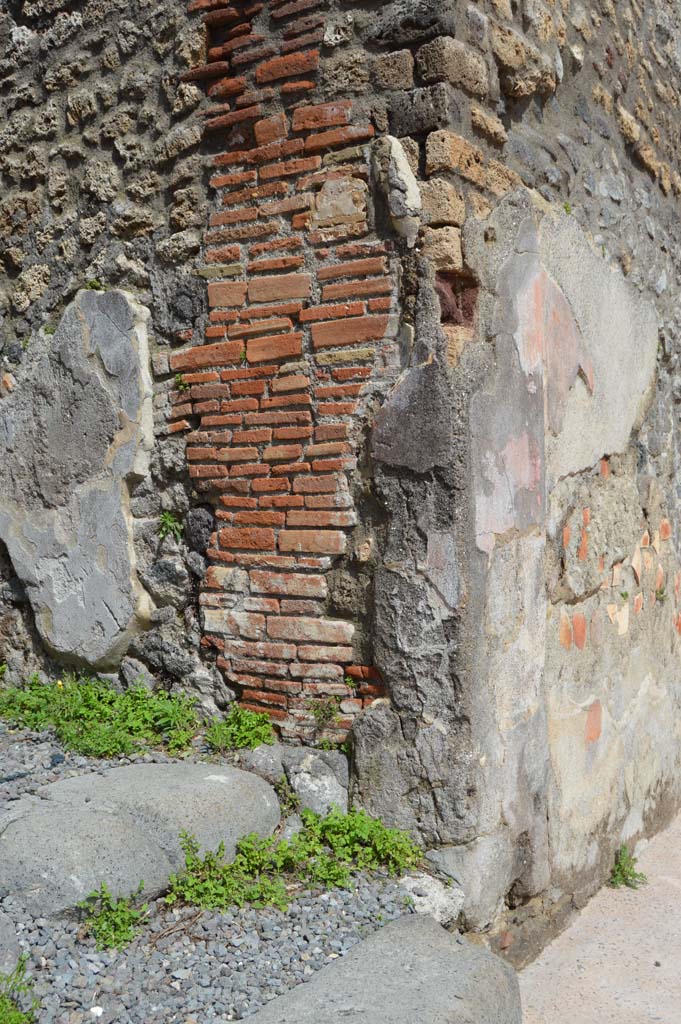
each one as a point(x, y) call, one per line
point(411, 270)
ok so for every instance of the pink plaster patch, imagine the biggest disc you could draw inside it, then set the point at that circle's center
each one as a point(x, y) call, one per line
point(594, 722)
point(579, 630)
point(665, 529)
point(565, 632)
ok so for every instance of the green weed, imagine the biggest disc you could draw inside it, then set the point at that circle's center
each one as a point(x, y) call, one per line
point(94, 285)
point(180, 383)
point(325, 711)
point(91, 718)
point(624, 872)
point(567, 207)
point(289, 801)
point(169, 524)
point(114, 922)
point(16, 990)
point(325, 853)
point(240, 729)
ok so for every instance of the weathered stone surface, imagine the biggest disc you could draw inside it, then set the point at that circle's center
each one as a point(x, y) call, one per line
point(432, 897)
point(76, 434)
point(123, 826)
point(411, 970)
point(9, 945)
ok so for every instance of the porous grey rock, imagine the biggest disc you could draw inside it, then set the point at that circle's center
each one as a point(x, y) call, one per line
point(76, 435)
point(431, 896)
point(9, 944)
point(318, 778)
point(123, 826)
point(411, 970)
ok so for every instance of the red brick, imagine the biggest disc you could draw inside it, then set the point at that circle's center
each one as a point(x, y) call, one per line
point(316, 485)
point(338, 655)
point(371, 286)
point(292, 167)
point(176, 428)
point(247, 195)
point(207, 472)
point(207, 355)
point(228, 181)
point(281, 501)
point(227, 293)
point(295, 584)
point(240, 38)
point(289, 87)
point(294, 242)
point(261, 154)
point(283, 286)
point(271, 129)
point(260, 518)
point(282, 452)
point(251, 436)
point(303, 42)
point(248, 387)
point(323, 115)
point(251, 539)
point(320, 542)
point(213, 70)
point(262, 312)
point(290, 205)
point(275, 346)
point(280, 486)
point(287, 67)
point(338, 137)
point(292, 433)
point(297, 518)
point(227, 87)
point(258, 54)
point(350, 331)
point(353, 268)
point(331, 431)
point(286, 416)
point(284, 401)
point(237, 454)
point(249, 469)
point(331, 631)
point(234, 117)
point(298, 382)
point(278, 263)
point(268, 325)
point(331, 312)
point(312, 670)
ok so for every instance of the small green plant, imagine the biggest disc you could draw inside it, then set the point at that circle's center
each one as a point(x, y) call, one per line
point(239, 729)
point(351, 682)
point(114, 922)
point(180, 383)
point(91, 718)
point(169, 525)
point(624, 872)
point(3, 670)
point(49, 330)
point(289, 801)
point(94, 285)
point(567, 207)
point(624, 594)
point(325, 852)
point(17, 1003)
point(242, 358)
point(324, 711)
point(661, 594)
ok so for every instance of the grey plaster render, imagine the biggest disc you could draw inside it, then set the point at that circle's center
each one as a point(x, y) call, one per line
point(76, 435)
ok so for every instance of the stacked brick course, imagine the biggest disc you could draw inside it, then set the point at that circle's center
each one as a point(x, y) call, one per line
point(301, 305)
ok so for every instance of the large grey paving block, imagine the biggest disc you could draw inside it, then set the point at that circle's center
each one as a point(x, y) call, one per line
point(123, 826)
point(410, 972)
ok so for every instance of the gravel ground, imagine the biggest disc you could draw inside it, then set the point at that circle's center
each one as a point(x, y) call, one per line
point(187, 966)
